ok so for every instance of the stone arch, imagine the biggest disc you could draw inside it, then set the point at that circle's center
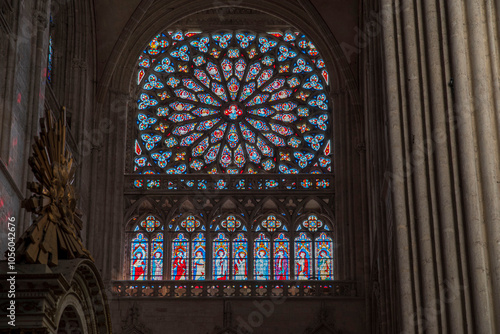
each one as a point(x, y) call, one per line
point(72, 317)
point(143, 206)
point(70, 294)
point(136, 30)
point(220, 210)
point(267, 205)
point(114, 102)
point(314, 201)
point(182, 216)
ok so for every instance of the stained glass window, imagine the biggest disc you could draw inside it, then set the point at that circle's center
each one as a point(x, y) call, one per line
point(313, 260)
point(157, 257)
point(303, 257)
point(232, 102)
point(190, 223)
point(276, 252)
point(324, 257)
point(271, 223)
point(188, 248)
point(262, 258)
point(198, 257)
point(221, 257)
point(139, 256)
point(180, 261)
point(50, 60)
point(240, 257)
point(281, 257)
point(230, 249)
point(146, 251)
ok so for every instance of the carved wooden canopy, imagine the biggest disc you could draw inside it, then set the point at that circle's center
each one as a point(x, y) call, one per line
point(55, 231)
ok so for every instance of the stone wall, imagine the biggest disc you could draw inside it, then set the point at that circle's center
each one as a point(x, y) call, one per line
point(25, 92)
point(263, 316)
point(23, 60)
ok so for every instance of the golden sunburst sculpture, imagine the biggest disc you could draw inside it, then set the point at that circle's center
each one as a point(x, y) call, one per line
point(55, 232)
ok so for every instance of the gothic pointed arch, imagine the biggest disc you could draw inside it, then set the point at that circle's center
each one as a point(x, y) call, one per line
point(141, 206)
point(269, 203)
point(227, 204)
point(216, 110)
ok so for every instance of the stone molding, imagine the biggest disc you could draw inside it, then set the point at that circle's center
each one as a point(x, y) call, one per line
point(42, 295)
point(234, 289)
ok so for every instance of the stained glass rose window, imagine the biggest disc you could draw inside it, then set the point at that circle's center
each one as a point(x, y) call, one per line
point(232, 102)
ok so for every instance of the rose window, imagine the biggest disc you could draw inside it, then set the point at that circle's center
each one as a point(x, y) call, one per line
point(232, 102)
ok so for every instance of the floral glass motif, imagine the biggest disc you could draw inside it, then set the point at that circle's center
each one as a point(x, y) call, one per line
point(231, 223)
point(312, 223)
point(150, 223)
point(271, 223)
point(190, 223)
point(233, 101)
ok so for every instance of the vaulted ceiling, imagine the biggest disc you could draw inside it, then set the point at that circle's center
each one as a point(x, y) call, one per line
point(112, 16)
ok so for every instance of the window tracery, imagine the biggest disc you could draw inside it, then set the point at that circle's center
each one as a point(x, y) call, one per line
point(232, 102)
point(279, 253)
point(146, 251)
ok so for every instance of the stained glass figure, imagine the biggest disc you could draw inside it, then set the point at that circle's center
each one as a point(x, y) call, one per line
point(157, 257)
point(324, 257)
point(180, 252)
point(303, 256)
point(240, 257)
point(138, 258)
point(220, 257)
point(262, 261)
point(281, 257)
point(198, 257)
point(254, 82)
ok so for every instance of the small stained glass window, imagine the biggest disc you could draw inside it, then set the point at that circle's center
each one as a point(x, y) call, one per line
point(50, 60)
point(146, 250)
point(221, 257)
point(262, 258)
point(281, 257)
point(303, 257)
point(139, 257)
point(180, 261)
point(240, 257)
point(324, 257)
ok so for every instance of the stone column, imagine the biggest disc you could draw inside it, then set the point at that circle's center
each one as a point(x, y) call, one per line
point(442, 65)
point(475, 60)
